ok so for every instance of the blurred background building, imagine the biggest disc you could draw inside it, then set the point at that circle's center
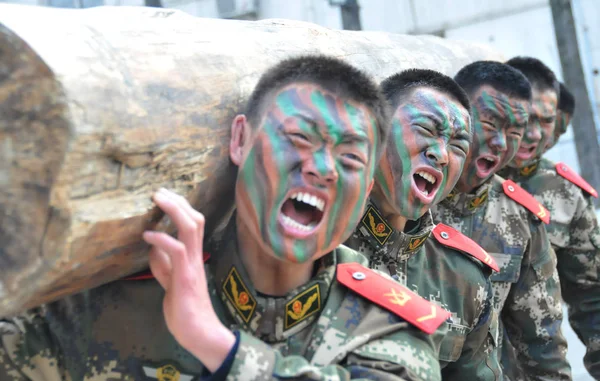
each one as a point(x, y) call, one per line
point(514, 27)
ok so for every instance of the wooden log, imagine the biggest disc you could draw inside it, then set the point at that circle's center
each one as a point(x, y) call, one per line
point(100, 107)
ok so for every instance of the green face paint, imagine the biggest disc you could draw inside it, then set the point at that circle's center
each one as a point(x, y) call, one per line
point(425, 153)
point(540, 128)
point(499, 122)
point(304, 181)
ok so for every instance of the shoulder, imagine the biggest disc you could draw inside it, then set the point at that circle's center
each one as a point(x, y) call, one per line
point(447, 239)
point(573, 177)
point(388, 294)
point(526, 200)
point(344, 254)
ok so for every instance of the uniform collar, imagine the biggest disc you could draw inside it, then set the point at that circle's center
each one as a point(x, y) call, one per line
point(468, 203)
point(383, 238)
point(520, 174)
point(271, 319)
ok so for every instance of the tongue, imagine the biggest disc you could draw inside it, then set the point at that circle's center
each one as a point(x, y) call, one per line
point(298, 212)
point(421, 183)
point(484, 165)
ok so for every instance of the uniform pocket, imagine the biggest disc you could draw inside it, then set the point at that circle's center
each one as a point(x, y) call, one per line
point(452, 342)
point(510, 267)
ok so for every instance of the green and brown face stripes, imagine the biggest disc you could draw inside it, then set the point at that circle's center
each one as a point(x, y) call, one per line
point(540, 128)
point(562, 122)
point(499, 123)
point(425, 153)
point(304, 181)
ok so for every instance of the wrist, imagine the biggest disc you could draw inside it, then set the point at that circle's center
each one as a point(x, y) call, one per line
point(213, 346)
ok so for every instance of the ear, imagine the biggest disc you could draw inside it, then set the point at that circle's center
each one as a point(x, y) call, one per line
point(240, 136)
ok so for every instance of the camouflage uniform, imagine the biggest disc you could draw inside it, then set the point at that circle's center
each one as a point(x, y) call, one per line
point(456, 281)
point(575, 237)
point(527, 291)
point(320, 330)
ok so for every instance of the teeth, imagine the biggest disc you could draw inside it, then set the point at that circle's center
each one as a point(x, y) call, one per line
point(425, 192)
point(296, 225)
point(489, 159)
point(309, 199)
point(427, 176)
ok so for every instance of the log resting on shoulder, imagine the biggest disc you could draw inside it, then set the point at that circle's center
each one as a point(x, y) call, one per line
point(101, 107)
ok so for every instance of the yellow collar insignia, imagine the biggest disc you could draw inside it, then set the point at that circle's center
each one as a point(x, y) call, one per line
point(304, 305)
point(238, 295)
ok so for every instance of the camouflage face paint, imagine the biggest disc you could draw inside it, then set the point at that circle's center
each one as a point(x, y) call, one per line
point(562, 122)
point(303, 183)
point(499, 122)
point(425, 153)
point(540, 128)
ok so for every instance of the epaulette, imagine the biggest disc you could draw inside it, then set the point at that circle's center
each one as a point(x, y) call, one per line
point(525, 199)
point(148, 274)
point(392, 296)
point(574, 177)
point(450, 237)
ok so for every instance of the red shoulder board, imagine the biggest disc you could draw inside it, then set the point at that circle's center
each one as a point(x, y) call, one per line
point(148, 274)
point(392, 296)
point(525, 199)
point(574, 177)
point(450, 237)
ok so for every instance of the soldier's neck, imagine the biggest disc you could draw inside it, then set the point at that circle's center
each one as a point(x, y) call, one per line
point(268, 274)
point(392, 217)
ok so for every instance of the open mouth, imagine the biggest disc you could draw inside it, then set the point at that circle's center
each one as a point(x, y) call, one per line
point(426, 182)
point(526, 152)
point(302, 212)
point(485, 165)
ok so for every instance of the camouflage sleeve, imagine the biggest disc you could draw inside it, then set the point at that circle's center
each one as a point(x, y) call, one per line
point(579, 271)
point(412, 360)
point(479, 357)
point(27, 351)
point(532, 314)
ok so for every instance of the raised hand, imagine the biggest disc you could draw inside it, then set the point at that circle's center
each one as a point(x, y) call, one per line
point(178, 266)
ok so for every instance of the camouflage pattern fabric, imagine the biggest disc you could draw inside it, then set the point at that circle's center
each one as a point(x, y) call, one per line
point(526, 290)
point(321, 330)
point(575, 237)
point(453, 280)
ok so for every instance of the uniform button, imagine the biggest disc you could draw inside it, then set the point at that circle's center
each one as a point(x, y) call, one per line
point(358, 275)
point(444, 235)
point(511, 188)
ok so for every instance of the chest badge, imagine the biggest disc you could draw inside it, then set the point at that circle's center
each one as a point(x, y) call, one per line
point(304, 305)
point(478, 201)
point(376, 226)
point(238, 294)
point(166, 373)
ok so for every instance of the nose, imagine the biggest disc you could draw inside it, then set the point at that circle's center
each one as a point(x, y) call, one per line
point(319, 168)
point(499, 141)
point(534, 133)
point(438, 153)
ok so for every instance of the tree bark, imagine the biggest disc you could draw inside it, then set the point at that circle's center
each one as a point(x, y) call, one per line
point(101, 107)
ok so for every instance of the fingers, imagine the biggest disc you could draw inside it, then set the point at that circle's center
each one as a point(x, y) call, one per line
point(187, 227)
point(175, 266)
point(193, 214)
point(160, 266)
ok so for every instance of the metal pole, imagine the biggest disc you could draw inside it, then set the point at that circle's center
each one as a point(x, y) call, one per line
point(584, 128)
point(351, 15)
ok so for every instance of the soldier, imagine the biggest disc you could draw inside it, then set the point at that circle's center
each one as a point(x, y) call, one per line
point(564, 113)
point(279, 297)
point(573, 228)
point(426, 151)
point(507, 223)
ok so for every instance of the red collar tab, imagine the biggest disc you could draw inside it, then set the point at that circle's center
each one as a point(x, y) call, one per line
point(450, 237)
point(525, 199)
point(148, 274)
point(392, 296)
point(574, 177)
